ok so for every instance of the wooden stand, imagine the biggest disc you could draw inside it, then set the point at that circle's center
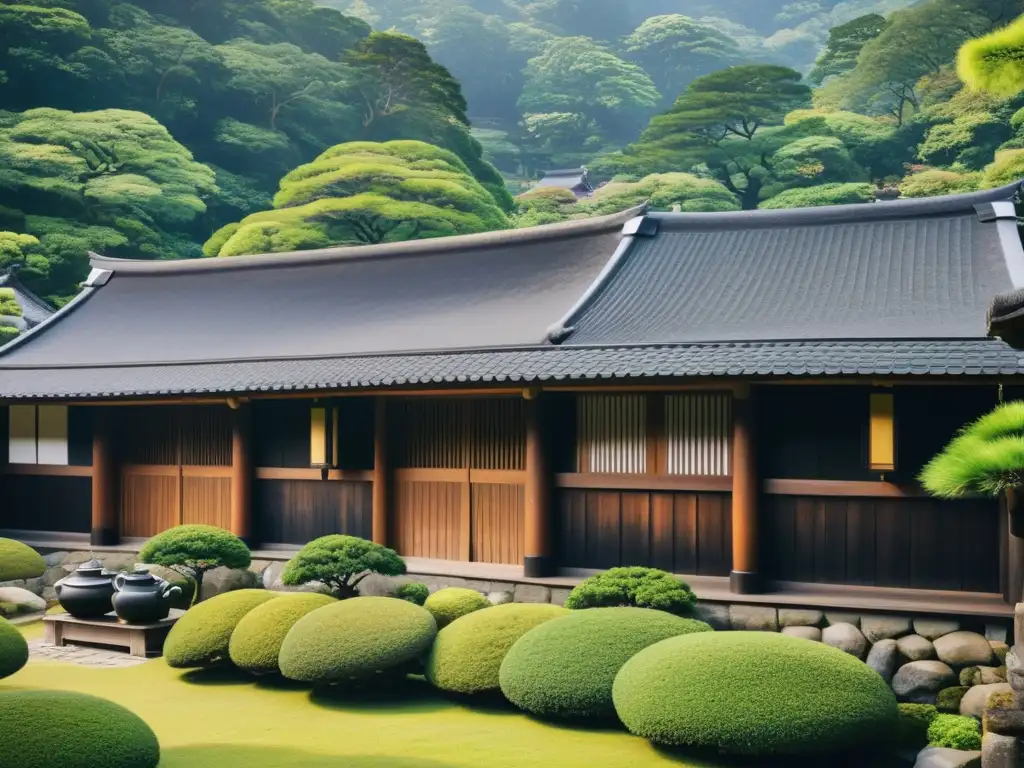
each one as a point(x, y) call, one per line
point(140, 639)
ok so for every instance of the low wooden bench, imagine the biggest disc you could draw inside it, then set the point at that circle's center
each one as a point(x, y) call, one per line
point(140, 639)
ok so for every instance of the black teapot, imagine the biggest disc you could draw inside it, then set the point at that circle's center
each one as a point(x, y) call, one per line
point(142, 598)
point(87, 593)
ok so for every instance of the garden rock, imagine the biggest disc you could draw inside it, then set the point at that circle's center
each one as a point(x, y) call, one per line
point(847, 638)
point(998, 751)
point(559, 596)
point(996, 633)
point(1014, 670)
point(55, 558)
point(916, 648)
point(222, 580)
point(532, 593)
point(715, 615)
point(271, 576)
point(920, 681)
point(807, 633)
point(1000, 650)
point(27, 602)
point(940, 757)
point(841, 617)
point(753, 618)
point(500, 598)
point(877, 628)
point(792, 617)
point(963, 649)
point(973, 702)
point(985, 676)
point(883, 657)
point(933, 629)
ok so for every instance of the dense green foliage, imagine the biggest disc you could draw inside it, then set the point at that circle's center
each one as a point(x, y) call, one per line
point(19, 561)
point(954, 732)
point(467, 654)
point(256, 640)
point(356, 638)
point(824, 194)
point(415, 593)
point(192, 550)
point(201, 638)
point(43, 729)
point(446, 605)
point(364, 193)
point(995, 62)
point(757, 693)
point(638, 587)
point(13, 649)
point(986, 457)
point(340, 563)
point(911, 731)
point(565, 668)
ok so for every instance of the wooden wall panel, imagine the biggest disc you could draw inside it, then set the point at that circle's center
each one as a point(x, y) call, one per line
point(174, 434)
point(281, 433)
point(428, 519)
point(206, 501)
point(149, 502)
point(497, 433)
point(428, 433)
point(917, 543)
point(497, 523)
point(205, 435)
point(46, 503)
point(698, 433)
point(298, 511)
point(687, 533)
point(611, 433)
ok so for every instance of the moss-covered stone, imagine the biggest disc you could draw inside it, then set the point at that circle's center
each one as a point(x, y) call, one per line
point(202, 636)
point(967, 675)
point(256, 641)
point(996, 701)
point(447, 605)
point(948, 699)
point(19, 561)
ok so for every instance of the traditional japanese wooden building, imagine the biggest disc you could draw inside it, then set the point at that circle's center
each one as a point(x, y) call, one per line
point(742, 398)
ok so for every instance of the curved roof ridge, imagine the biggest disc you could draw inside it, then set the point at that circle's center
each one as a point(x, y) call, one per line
point(917, 207)
point(433, 245)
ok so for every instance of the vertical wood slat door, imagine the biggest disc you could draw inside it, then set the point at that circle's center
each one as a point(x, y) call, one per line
point(440, 510)
point(175, 468)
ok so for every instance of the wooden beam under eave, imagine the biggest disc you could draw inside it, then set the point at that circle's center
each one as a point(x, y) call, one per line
point(241, 472)
point(745, 576)
point(104, 525)
point(538, 557)
point(381, 481)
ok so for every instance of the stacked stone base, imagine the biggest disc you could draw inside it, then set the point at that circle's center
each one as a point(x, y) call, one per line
point(1003, 722)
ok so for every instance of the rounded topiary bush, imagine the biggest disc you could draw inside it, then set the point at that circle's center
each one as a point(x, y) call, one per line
point(447, 605)
point(638, 587)
point(415, 593)
point(565, 668)
point(356, 638)
point(13, 649)
point(755, 693)
point(954, 732)
point(19, 561)
point(201, 637)
point(256, 641)
point(60, 729)
point(467, 654)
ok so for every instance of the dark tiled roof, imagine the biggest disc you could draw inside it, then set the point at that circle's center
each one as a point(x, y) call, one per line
point(1006, 318)
point(572, 178)
point(33, 309)
point(527, 366)
point(903, 270)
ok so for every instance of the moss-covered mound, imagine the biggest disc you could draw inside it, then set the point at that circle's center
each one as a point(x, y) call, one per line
point(60, 729)
point(447, 605)
point(467, 654)
point(13, 650)
point(256, 641)
point(19, 561)
point(201, 637)
point(756, 693)
point(356, 638)
point(565, 668)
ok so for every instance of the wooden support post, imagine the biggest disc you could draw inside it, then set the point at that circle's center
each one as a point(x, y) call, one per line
point(105, 506)
point(538, 560)
point(380, 471)
point(744, 578)
point(1013, 549)
point(241, 472)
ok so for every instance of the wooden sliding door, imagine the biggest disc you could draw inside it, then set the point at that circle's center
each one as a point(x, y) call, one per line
point(175, 467)
point(459, 478)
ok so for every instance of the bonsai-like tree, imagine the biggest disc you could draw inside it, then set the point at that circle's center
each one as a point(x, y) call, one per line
point(192, 550)
point(340, 563)
point(986, 458)
point(639, 587)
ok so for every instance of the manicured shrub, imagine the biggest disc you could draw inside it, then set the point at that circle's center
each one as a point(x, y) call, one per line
point(565, 668)
point(19, 561)
point(467, 655)
point(911, 731)
point(415, 593)
point(13, 649)
point(340, 563)
point(201, 637)
point(954, 732)
point(356, 638)
point(756, 693)
point(446, 605)
point(256, 641)
point(637, 587)
point(192, 550)
point(61, 729)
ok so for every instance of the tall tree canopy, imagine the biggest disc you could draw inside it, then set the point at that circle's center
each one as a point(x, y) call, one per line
point(845, 43)
point(362, 193)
